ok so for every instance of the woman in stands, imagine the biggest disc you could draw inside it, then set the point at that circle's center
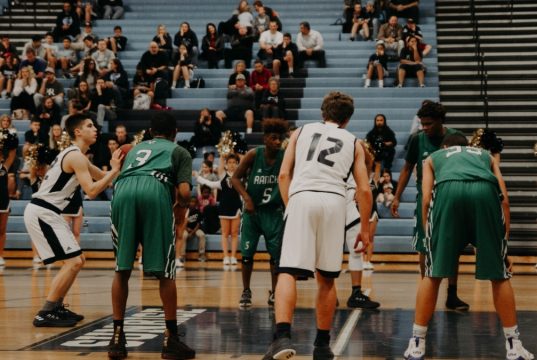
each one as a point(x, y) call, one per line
point(8, 154)
point(183, 67)
point(23, 92)
point(8, 74)
point(118, 80)
point(89, 74)
point(240, 68)
point(82, 94)
point(229, 208)
point(212, 46)
point(164, 40)
point(411, 63)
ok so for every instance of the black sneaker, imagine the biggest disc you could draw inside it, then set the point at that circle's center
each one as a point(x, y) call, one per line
point(270, 300)
point(280, 349)
point(246, 299)
point(454, 303)
point(52, 319)
point(68, 314)
point(173, 348)
point(322, 353)
point(117, 348)
point(359, 300)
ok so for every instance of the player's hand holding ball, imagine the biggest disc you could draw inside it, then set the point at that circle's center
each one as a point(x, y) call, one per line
point(117, 160)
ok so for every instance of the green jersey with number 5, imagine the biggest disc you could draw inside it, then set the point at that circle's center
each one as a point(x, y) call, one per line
point(263, 180)
point(158, 158)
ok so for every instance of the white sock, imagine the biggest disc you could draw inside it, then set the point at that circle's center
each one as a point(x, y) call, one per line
point(381, 83)
point(249, 130)
point(187, 83)
point(367, 82)
point(511, 332)
point(419, 331)
point(291, 70)
point(174, 84)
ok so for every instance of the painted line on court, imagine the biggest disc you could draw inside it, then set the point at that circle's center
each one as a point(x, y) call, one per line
point(345, 333)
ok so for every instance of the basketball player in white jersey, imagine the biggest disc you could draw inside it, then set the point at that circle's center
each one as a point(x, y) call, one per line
point(49, 231)
point(318, 160)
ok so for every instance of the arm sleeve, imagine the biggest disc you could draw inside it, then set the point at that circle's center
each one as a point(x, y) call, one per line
point(209, 183)
point(182, 165)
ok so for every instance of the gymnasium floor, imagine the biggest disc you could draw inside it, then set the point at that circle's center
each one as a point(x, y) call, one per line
point(217, 329)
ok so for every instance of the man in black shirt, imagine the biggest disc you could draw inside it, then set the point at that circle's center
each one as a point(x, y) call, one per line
point(67, 23)
point(285, 57)
point(154, 63)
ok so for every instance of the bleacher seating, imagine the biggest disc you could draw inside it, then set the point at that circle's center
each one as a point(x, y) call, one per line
point(346, 64)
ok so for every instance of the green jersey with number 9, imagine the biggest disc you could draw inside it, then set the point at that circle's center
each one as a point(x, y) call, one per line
point(158, 158)
point(263, 180)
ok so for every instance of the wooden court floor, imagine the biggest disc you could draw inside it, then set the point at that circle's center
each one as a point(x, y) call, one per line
point(208, 299)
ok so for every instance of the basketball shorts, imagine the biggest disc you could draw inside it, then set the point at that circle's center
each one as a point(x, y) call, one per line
point(267, 222)
point(314, 234)
point(418, 239)
point(142, 214)
point(466, 212)
point(50, 234)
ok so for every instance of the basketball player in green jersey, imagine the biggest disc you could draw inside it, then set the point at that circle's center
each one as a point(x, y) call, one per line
point(421, 145)
point(154, 180)
point(469, 204)
point(263, 205)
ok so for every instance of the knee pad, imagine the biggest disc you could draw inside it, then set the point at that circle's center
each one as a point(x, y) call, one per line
point(247, 260)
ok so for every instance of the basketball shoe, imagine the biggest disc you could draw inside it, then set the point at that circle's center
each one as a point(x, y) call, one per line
point(416, 349)
point(246, 299)
point(515, 350)
point(117, 348)
point(173, 348)
point(280, 349)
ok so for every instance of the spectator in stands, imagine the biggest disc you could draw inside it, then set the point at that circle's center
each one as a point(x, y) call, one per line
point(7, 49)
point(193, 229)
point(118, 80)
point(392, 35)
point(154, 63)
point(241, 47)
point(102, 57)
point(23, 92)
point(212, 46)
point(67, 57)
point(240, 68)
point(386, 178)
point(378, 62)
point(384, 198)
point(54, 139)
point(268, 42)
point(272, 14)
point(88, 48)
point(8, 157)
point(372, 13)
point(183, 67)
point(79, 43)
point(51, 50)
point(38, 66)
point(411, 63)
point(244, 16)
point(229, 208)
point(50, 87)
point(240, 104)
point(383, 140)
point(259, 81)
point(83, 10)
point(104, 102)
point(310, 45)
point(89, 74)
point(122, 136)
point(273, 103)
point(82, 95)
point(112, 9)
point(187, 37)
point(8, 74)
point(412, 29)
point(285, 57)
point(34, 135)
point(360, 24)
point(36, 44)
point(67, 23)
point(405, 9)
point(206, 198)
point(117, 42)
point(207, 131)
point(164, 40)
point(49, 113)
point(261, 22)
point(141, 87)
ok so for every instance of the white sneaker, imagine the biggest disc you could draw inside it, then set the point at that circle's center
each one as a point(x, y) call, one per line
point(368, 265)
point(227, 260)
point(179, 263)
point(36, 260)
point(233, 261)
point(415, 349)
point(515, 350)
point(2, 261)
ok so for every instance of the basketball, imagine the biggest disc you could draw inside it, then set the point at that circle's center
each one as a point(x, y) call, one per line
point(125, 148)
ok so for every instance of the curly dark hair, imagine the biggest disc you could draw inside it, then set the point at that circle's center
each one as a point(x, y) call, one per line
point(433, 110)
point(275, 126)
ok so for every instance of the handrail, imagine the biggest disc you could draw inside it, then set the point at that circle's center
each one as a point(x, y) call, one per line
point(480, 59)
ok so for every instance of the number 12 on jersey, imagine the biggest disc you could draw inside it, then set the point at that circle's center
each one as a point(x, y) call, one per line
point(322, 157)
